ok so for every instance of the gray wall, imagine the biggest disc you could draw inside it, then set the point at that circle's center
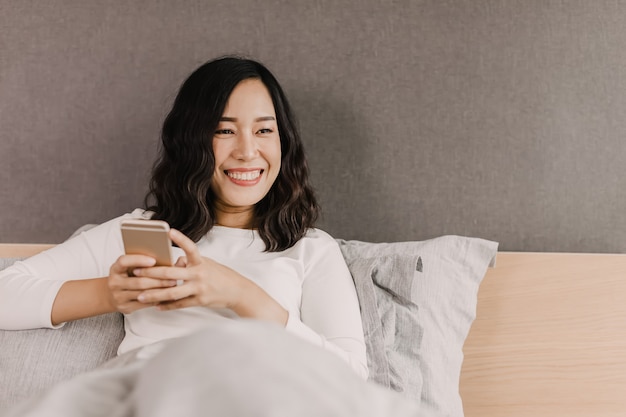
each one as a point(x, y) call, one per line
point(497, 119)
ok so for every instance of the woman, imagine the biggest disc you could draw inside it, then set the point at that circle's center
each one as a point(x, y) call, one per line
point(232, 181)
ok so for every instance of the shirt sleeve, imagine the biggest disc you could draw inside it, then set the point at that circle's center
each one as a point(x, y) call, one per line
point(28, 288)
point(329, 311)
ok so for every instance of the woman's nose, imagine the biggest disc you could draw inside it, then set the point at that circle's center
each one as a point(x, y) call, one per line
point(246, 147)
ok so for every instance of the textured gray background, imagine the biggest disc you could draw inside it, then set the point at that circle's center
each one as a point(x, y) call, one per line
point(497, 119)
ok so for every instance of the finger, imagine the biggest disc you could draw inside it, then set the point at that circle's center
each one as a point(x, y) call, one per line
point(120, 283)
point(143, 283)
point(165, 295)
point(163, 272)
point(187, 245)
point(125, 262)
point(181, 262)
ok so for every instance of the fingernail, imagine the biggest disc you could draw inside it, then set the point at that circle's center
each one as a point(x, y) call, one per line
point(136, 272)
point(141, 298)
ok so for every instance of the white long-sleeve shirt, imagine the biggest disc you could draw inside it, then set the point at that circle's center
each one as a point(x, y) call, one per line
point(310, 280)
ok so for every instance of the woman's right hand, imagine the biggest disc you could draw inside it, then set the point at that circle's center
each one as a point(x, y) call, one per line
point(124, 288)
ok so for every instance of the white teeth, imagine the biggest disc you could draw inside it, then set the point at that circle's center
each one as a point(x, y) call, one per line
point(244, 176)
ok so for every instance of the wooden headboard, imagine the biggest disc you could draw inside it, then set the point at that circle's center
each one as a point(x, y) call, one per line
point(549, 339)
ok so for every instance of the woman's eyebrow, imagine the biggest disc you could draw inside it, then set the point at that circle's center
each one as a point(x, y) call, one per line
point(258, 119)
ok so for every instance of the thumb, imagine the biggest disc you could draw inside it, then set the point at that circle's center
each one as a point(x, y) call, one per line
point(192, 253)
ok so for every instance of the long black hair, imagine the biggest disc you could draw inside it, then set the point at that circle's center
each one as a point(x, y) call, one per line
point(180, 187)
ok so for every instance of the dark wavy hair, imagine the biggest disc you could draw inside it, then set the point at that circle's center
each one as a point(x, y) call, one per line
point(180, 187)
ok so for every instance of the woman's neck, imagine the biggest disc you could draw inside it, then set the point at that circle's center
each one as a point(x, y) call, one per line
point(235, 219)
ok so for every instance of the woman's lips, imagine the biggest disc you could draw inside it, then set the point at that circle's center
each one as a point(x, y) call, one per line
point(244, 176)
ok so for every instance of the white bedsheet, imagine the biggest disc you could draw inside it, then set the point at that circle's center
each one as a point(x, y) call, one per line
point(241, 368)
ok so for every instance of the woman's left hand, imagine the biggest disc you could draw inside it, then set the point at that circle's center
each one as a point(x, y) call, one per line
point(208, 283)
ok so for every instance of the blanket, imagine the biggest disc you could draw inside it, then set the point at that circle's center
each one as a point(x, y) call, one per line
point(240, 368)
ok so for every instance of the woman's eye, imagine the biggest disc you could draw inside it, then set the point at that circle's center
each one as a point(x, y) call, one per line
point(265, 131)
point(224, 132)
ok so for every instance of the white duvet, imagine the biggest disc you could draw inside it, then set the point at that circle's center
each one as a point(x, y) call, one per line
point(239, 369)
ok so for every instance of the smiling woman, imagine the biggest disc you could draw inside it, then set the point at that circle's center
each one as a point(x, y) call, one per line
point(231, 180)
point(232, 101)
point(247, 154)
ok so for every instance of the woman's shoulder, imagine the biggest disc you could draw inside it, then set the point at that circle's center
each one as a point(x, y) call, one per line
point(318, 237)
point(318, 247)
point(314, 233)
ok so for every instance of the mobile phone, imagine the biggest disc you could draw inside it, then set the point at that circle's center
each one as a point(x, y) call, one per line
point(148, 237)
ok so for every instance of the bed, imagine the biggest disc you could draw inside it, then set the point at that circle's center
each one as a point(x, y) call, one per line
point(547, 340)
point(498, 119)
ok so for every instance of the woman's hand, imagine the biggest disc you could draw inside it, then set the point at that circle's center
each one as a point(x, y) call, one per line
point(206, 283)
point(124, 288)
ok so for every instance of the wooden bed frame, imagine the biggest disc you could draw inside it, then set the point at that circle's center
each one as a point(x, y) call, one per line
point(549, 337)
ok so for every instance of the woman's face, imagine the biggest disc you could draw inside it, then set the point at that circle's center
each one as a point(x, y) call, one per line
point(247, 152)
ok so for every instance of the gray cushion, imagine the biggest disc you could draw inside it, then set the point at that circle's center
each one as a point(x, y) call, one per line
point(383, 286)
point(4, 262)
point(33, 360)
point(445, 293)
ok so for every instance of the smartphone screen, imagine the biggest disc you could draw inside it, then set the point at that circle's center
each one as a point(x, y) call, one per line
point(148, 237)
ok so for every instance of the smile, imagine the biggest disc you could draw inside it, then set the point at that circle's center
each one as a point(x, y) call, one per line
point(244, 175)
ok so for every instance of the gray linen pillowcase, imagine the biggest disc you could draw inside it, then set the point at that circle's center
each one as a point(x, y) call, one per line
point(446, 294)
point(384, 285)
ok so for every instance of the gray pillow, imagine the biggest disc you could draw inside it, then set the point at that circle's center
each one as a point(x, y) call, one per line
point(445, 293)
point(5, 262)
point(33, 360)
point(384, 285)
